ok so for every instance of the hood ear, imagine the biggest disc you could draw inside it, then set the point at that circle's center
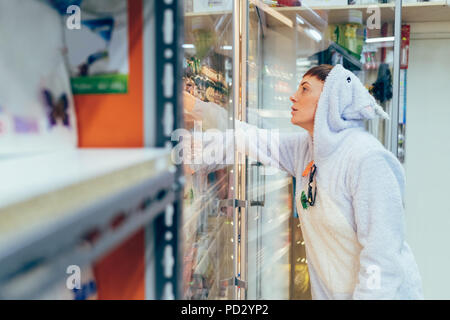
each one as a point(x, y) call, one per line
point(371, 111)
point(363, 104)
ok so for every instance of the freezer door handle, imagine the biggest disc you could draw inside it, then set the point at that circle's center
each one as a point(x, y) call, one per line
point(235, 203)
point(260, 181)
point(235, 281)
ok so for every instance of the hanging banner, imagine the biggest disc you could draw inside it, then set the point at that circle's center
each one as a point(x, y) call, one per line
point(98, 51)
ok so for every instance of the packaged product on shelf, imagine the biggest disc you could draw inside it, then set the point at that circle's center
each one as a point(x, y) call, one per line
point(204, 82)
point(36, 103)
point(349, 36)
point(289, 3)
point(98, 51)
point(404, 51)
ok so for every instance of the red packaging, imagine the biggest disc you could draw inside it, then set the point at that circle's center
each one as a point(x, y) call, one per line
point(288, 3)
point(404, 46)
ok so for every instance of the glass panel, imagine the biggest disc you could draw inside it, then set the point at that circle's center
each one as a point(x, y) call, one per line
point(271, 80)
point(208, 230)
point(284, 41)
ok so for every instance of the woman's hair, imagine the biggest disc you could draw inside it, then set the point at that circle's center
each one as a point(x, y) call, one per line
point(320, 71)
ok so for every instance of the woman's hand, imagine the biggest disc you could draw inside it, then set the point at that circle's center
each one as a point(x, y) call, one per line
point(188, 107)
point(188, 102)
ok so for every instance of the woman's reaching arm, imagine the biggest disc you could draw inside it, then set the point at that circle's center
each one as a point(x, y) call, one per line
point(270, 147)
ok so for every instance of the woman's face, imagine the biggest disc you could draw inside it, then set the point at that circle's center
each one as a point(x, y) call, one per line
point(304, 102)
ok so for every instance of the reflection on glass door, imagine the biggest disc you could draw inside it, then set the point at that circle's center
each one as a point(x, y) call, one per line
point(285, 39)
point(271, 80)
point(271, 44)
point(207, 226)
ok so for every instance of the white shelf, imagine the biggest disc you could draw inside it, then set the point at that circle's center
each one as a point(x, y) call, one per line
point(50, 202)
point(411, 12)
point(32, 176)
point(36, 190)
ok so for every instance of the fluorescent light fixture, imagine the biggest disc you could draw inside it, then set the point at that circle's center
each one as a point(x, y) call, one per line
point(227, 47)
point(308, 28)
point(313, 34)
point(381, 39)
point(280, 17)
point(299, 20)
point(303, 63)
point(188, 46)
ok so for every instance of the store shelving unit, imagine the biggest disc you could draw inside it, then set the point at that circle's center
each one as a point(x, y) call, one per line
point(78, 207)
point(71, 207)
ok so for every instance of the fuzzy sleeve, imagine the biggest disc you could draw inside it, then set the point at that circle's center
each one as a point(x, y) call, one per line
point(271, 147)
point(377, 195)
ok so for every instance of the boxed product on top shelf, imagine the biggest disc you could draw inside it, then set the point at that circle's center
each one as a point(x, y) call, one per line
point(278, 3)
point(349, 36)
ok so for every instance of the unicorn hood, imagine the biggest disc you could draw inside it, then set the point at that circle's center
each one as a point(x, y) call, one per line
point(344, 104)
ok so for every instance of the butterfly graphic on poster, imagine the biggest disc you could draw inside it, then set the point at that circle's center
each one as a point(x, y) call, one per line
point(57, 110)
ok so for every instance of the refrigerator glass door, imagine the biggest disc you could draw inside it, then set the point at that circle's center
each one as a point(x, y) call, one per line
point(207, 222)
point(285, 40)
point(271, 80)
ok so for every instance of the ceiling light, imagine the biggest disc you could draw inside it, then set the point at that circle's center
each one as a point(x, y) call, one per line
point(382, 39)
point(300, 20)
point(314, 34)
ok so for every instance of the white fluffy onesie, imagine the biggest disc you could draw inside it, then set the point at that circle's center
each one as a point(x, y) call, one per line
point(355, 232)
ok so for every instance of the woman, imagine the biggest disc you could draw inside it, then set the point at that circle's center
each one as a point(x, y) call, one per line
point(350, 190)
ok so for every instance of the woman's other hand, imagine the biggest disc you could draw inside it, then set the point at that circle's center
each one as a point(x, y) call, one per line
point(188, 106)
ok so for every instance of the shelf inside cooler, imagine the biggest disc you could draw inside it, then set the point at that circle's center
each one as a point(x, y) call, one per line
point(55, 205)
